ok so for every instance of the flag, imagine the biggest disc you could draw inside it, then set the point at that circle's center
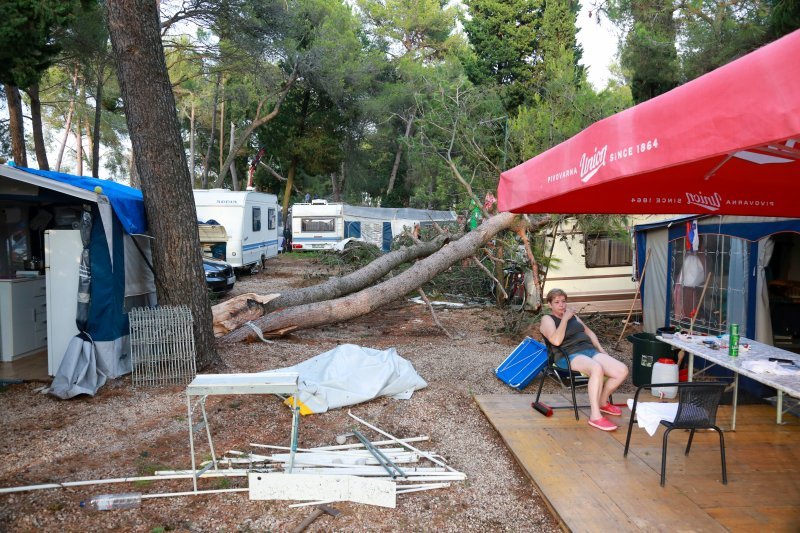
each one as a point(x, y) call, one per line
point(695, 236)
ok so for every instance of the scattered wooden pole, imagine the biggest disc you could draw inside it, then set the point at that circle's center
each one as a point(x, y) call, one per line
point(635, 297)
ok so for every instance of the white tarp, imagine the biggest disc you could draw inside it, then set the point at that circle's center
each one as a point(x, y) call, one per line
point(351, 374)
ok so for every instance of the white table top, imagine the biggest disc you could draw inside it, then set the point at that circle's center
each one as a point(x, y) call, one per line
point(260, 383)
point(758, 352)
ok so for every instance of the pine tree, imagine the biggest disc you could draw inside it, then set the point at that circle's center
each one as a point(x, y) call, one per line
point(505, 37)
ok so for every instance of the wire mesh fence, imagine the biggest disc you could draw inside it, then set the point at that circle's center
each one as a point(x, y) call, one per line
point(162, 346)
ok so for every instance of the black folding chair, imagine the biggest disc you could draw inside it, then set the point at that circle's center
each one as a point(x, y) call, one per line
point(564, 377)
point(697, 409)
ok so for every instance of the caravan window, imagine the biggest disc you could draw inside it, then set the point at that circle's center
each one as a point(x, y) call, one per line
point(727, 260)
point(271, 218)
point(312, 224)
point(256, 219)
point(605, 251)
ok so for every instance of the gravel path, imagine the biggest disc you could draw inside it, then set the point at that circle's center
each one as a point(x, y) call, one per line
point(129, 432)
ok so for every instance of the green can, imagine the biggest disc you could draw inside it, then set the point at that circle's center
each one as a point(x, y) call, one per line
point(733, 340)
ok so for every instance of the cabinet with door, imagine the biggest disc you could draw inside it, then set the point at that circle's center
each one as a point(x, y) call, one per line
point(23, 317)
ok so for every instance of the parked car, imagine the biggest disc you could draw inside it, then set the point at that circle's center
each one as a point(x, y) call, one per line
point(219, 275)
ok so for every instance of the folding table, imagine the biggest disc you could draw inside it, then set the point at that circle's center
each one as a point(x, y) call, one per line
point(205, 385)
point(789, 384)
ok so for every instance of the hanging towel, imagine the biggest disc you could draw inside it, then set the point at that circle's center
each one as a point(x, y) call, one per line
point(650, 414)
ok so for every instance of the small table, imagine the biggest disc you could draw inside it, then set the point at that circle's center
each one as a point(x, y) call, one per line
point(205, 385)
point(758, 352)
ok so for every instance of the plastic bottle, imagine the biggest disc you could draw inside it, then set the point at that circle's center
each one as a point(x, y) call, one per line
point(109, 502)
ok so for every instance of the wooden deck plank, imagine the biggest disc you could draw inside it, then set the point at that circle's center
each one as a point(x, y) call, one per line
point(766, 518)
point(589, 486)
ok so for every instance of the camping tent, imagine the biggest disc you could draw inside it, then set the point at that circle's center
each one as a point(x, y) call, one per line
point(114, 274)
point(727, 142)
point(755, 262)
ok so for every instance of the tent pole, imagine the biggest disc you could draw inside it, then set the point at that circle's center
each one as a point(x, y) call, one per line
point(635, 297)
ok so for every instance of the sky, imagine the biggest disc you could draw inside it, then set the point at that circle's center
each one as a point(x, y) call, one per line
point(599, 43)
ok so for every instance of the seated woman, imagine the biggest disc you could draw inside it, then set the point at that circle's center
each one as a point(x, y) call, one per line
point(565, 330)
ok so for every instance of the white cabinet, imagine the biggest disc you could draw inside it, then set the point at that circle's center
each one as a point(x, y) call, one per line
point(23, 317)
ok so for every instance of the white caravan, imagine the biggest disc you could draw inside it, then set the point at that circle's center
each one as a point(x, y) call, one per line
point(250, 219)
point(594, 270)
point(317, 225)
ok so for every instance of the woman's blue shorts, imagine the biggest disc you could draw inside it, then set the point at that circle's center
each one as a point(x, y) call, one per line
point(589, 352)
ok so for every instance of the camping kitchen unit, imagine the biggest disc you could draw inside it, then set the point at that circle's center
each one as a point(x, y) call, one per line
point(72, 256)
point(250, 220)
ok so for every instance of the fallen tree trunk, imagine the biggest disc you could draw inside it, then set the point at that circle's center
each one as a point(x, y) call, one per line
point(233, 313)
point(361, 278)
point(367, 300)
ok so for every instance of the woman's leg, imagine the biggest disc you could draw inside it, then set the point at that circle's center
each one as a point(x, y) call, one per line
point(593, 369)
point(616, 371)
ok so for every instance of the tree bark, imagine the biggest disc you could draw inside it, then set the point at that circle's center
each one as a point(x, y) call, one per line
point(191, 144)
point(222, 126)
point(364, 277)
point(398, 153)
point(79, 145)
point(257, 123)
point(16, 127)
point(211, 136)
point(36, 126)
point(367, 300)
point(237, 311)
point(287, 192)
point(89, 138)
point(68, 123)
point(98, 110)
point(154, 130)
point(234, 177)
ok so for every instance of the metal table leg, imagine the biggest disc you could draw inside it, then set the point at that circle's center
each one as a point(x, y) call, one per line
point(295, 427)
point(735, 398)
point(208, 433)
point(191, 440)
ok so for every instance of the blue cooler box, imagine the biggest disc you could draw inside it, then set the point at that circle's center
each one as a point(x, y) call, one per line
point(523, 365)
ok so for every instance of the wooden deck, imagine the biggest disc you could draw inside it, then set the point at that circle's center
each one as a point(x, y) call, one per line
point(589, 486)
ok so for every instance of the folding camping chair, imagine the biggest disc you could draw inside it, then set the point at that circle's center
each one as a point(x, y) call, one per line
point(563, 375)
point(697, 409)
point(559, 374)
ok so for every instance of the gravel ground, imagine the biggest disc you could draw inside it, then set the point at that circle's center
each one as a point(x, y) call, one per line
point(132, 432)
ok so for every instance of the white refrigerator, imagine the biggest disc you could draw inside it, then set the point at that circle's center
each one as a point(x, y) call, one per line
point(62, 259)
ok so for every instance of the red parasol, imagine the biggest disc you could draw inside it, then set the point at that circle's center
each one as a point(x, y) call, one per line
point(725, 143)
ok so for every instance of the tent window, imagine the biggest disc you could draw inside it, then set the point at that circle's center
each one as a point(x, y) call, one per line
point(271, 218)
point(312, 224)
point(256, 219)
point(727, 260)
point(605, 251)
